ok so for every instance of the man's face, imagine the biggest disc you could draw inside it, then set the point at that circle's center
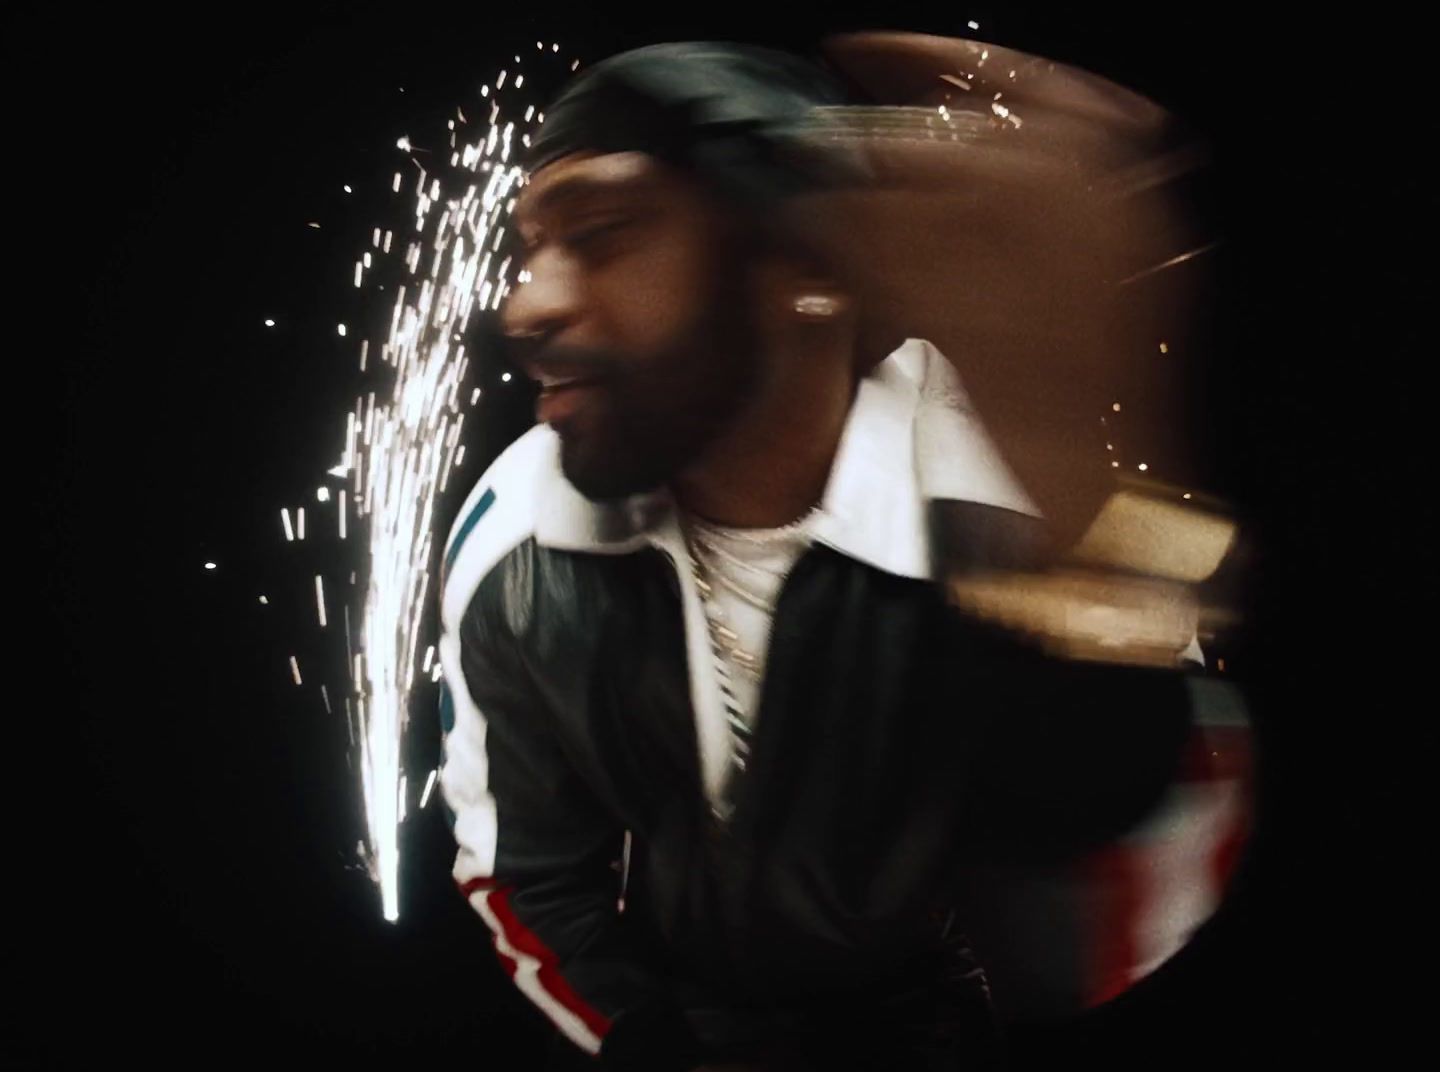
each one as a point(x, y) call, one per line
point(630, 312)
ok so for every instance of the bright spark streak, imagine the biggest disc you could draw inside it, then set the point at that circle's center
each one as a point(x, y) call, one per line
point(289, 532)
point(269, 323)
point(320, 598)
point(325, 695)
point(973, 25)
point(429, 785)
point(300, 523)
point(341, 329)
point(295, 670)
point(1172, 262)
point(410, 438)
point(209, 565)
point(348, 190)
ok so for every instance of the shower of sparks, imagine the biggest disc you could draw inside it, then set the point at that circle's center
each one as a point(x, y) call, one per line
point(402, 439)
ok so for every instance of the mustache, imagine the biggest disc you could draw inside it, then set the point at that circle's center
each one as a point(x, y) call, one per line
point(537, 357)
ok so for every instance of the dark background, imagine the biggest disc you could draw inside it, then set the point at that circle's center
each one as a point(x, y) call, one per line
point(184, 883)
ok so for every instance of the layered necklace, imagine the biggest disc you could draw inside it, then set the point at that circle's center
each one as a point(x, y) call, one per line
point(714, 567)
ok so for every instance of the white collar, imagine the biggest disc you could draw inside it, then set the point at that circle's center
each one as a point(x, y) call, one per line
point(911, 437)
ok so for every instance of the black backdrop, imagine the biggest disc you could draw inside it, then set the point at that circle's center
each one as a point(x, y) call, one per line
point(181, 882)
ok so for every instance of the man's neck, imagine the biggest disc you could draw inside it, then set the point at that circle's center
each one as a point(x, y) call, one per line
point(772, 466)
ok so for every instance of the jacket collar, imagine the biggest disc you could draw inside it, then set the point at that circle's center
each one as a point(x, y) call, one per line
point(912, 436)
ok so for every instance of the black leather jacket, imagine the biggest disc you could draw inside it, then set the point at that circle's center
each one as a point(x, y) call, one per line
point(897, 742)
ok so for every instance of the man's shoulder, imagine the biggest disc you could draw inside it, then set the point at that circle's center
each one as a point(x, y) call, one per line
point(497, 517)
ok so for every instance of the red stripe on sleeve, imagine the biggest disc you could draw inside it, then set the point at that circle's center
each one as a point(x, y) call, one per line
point(526, 941)
point(1114, 875)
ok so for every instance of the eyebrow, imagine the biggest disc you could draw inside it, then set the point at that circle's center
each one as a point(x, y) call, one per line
point(579, 188)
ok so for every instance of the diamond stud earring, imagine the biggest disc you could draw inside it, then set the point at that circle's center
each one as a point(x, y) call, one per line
point(816, 306)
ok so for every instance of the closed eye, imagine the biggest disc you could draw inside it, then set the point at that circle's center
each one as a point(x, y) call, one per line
point(593, 236)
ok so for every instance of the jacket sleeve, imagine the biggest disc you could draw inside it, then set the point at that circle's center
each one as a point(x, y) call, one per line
point(1064, 756)
point(537, 860)
point(1060, 755)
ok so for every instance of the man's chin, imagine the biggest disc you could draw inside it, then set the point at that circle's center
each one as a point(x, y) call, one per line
point(602, 477)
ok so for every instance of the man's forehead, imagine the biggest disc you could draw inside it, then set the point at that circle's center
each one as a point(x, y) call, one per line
point(585, 173)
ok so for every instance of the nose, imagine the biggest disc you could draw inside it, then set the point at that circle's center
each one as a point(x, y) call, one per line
point(544, 299)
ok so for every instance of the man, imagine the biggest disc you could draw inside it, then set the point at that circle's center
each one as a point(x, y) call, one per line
point(718, 747)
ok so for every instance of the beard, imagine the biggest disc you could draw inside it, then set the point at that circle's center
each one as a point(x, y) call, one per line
point(654, 417)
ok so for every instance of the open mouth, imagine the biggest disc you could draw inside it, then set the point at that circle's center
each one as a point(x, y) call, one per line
point(550, 383)
point(564, 397)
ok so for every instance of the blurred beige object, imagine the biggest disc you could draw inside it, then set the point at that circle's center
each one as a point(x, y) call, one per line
point(1009, 200)
point(1103, 618)
point(1163, 539)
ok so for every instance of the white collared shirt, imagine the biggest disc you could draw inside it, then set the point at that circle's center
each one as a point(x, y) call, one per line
point(911, 436)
